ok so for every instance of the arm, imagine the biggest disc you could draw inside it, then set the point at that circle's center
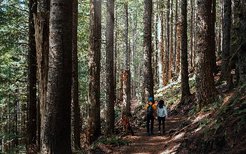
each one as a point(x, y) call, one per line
point(165, 109)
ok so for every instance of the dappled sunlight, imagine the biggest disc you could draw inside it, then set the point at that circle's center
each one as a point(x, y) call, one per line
point(172, 150)
point(200, 117)
point(179, 136)
point(196, 130)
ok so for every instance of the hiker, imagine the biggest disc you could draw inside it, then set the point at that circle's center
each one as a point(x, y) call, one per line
point(150, 108)
point(161, 115)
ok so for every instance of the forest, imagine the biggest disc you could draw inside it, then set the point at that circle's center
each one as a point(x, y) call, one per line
point(76, 76)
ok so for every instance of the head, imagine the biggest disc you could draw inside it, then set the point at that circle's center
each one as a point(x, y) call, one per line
point(151, 99)
point(161, 103)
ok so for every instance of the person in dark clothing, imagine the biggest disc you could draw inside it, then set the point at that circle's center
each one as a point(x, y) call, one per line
point(150, 110)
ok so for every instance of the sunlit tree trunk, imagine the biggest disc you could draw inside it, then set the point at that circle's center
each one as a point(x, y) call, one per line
point(110, 86)
point(56, 133)
point(32, 68)
point(205, 89)
point(185, 89)
point(148, 74)
point(94, 70)
point(76, 119)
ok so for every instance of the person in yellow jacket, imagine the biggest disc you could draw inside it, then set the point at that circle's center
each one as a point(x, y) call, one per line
point(150, 108)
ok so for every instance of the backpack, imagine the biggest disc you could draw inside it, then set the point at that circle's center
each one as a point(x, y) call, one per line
point(150, 110)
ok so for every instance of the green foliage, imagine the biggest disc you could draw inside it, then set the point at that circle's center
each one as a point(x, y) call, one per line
point(13, 66)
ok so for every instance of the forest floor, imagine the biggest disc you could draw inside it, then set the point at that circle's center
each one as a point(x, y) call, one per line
point(155, 144)
point(219, 127)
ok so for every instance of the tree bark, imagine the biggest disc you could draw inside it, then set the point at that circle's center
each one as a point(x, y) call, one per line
point(94, 70)
point(226, 71)
point(32, 79)
point(127, 79)
point(110, 86)
point(148, 74)
point(191, 34)
point(41, 19)
point(185, 89)
point(167, 47)
point(76, 119)
point(178, 48)
point(205, 89)
point(170, 69)
point(213, 47)
point(56, 133)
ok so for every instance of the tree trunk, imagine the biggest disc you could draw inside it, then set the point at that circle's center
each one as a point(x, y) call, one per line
point(161, 44)
point(175, 35)
point(242, 52)
point(226, 71)
point(171, 43)
point(185, 89)
point(191, 34)
point(41, 19)
point(148, 74)
point(167, 47)
point(32, 68)
point(205, 89)
point(76, 119)
point(56, 134)
point(213, 47)
point(94, 70)
point(178, 48)
point(127, 79)
point(110, 86)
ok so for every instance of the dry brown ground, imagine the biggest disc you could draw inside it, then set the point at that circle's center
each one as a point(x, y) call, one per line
point(141, 143)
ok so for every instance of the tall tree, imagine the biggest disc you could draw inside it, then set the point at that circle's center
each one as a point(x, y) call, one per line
point(167, 47)
point(226, 42)
point(94, 70)
point(32, 68)
point(56, 133)
point(212, 33)
point(110, 86)
point(185, 89)
point(148, 74)
point(170, 69)
point(242, 41)
point(42, 47)
point(76, 119)
point(191, 34)
point(127, 75)
point(205, 88)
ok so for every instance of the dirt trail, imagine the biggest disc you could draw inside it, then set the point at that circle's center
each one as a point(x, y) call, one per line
point(155, 144)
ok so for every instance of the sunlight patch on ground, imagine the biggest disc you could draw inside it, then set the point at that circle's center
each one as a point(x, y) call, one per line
point(200, 117)
point(172, 150)
point(179, 136)
point(196, 130)
point(142, 153)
